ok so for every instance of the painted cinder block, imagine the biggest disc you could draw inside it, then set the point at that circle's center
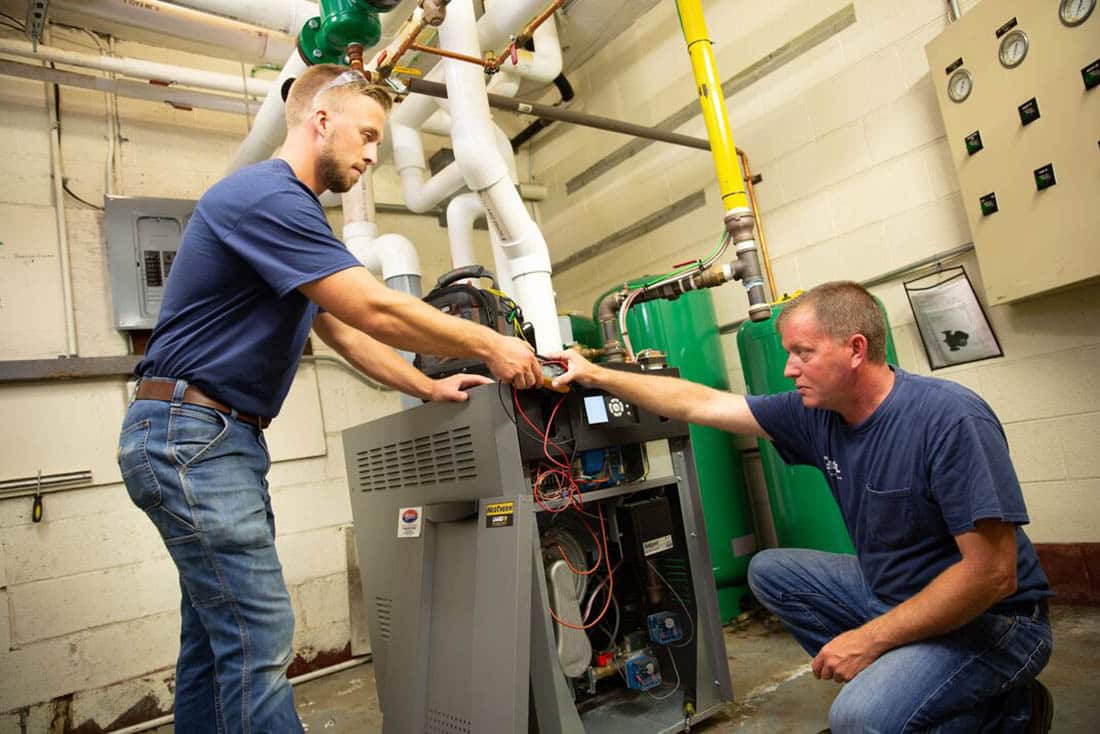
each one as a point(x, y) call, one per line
point(1055, 384)
point(1063, 512)
point(906, 123)
point(44, 609)
point(927, 230)
point(881, 192)
point(1036, 449)
point(834, 156)
point(119, 535)
point(1078, 435)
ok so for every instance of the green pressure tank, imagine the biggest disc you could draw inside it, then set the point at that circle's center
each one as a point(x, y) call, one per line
point(687, 331)
point(803, 508)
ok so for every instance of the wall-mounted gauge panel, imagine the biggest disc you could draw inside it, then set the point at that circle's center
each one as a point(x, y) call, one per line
point(1018, 87)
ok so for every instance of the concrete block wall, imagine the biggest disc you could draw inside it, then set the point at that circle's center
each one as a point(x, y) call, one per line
point(88, 597)
point(857, 181)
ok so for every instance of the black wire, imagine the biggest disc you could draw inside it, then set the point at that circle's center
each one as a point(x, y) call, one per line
point(14, 27)
point(15, 20)
point(65, 181)
point(65, 186)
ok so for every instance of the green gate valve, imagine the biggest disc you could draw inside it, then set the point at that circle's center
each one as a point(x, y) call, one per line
point(324, 39)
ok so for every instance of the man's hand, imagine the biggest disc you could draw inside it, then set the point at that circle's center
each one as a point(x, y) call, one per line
point(846, 655)
point(580, 369)
point(512, 360)
point(453, 389)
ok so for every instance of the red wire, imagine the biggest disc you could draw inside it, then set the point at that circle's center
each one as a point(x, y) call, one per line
point(610, 585)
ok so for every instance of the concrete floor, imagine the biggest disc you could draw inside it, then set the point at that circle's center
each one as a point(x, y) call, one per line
point(774, 688)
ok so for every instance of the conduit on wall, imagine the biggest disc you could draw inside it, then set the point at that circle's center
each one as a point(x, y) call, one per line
point(149, 70)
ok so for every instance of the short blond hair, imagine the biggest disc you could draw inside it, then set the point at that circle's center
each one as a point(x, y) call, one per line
point(304, 90)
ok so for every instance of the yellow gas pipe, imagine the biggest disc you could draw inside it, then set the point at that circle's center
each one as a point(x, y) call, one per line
point(739, 219)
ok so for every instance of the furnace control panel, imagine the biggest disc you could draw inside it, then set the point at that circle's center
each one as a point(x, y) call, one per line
point(1016, 85)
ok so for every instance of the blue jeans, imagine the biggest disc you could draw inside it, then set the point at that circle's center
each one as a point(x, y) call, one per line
point(970, 680)
point(200, 477)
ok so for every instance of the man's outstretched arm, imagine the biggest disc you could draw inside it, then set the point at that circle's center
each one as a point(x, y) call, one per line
point(667, 396)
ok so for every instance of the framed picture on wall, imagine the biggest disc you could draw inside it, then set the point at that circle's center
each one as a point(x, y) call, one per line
point(953, 325)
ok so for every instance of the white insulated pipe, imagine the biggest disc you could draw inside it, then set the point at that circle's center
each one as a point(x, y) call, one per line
point(420, 111)
point(285, 16)
point(486, 173)
point(137, 90)
point(462, 212)
point(269, 126)
point(248, 41)
point(149, 70)
point(389, 255)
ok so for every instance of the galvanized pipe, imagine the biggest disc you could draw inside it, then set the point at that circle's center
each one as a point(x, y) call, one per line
point(547, 112)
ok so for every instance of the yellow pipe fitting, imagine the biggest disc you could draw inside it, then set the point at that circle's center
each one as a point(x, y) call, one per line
point(709, 87)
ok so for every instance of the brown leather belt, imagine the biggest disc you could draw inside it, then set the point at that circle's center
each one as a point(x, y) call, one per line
point(158, 390)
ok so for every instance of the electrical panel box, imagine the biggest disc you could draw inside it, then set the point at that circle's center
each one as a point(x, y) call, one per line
point(143, 235)
point(1023, 122)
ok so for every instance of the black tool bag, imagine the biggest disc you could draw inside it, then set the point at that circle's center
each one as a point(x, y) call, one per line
point(486, 306)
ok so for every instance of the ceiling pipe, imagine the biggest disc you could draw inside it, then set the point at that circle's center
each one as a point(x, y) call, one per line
point(149, 70)
point(269, 126)
point(430, 87)
point(179, 98)
point(954, 12)
point(284, 16)
point(247, 42)
point(462, 212)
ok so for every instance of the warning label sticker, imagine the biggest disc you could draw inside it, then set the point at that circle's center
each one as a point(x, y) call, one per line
point(409, 522)
point(500, 508)
point(499, 514)
point(663, 543)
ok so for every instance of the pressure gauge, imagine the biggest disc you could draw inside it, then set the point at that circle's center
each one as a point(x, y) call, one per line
point(1075, 12)
point(1013, 49)
point(960, 85)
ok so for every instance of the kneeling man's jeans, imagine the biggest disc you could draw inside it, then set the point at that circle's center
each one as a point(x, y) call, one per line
point(971, 680)
point(200, 477)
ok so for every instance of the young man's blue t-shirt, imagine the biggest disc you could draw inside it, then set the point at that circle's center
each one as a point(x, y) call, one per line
point(925, 466)
point(232, 322)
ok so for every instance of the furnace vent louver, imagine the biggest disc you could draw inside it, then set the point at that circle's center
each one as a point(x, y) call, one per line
point(446, 456)
point(440, 722)
point(383, 614)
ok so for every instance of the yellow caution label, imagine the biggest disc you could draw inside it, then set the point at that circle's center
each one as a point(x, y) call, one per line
point(500, 508)
point(407, 71)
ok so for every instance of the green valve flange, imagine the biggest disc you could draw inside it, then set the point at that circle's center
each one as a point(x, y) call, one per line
point(324, 39)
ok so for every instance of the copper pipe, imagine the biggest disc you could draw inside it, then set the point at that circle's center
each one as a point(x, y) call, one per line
point(448, 54)
point(524, 36)
point(759, 222)
point(354, 53)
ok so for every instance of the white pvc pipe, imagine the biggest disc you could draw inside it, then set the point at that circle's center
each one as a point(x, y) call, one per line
point(136, 90)
point(285, 16)
point(141, 69)
point(486, 173)
point(62, 227)
point(269, 125)
point(462, 212)
point(409, 118)
point(247, 41)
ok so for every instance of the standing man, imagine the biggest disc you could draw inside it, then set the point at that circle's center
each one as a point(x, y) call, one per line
point(940, 620)
point(258, 266)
